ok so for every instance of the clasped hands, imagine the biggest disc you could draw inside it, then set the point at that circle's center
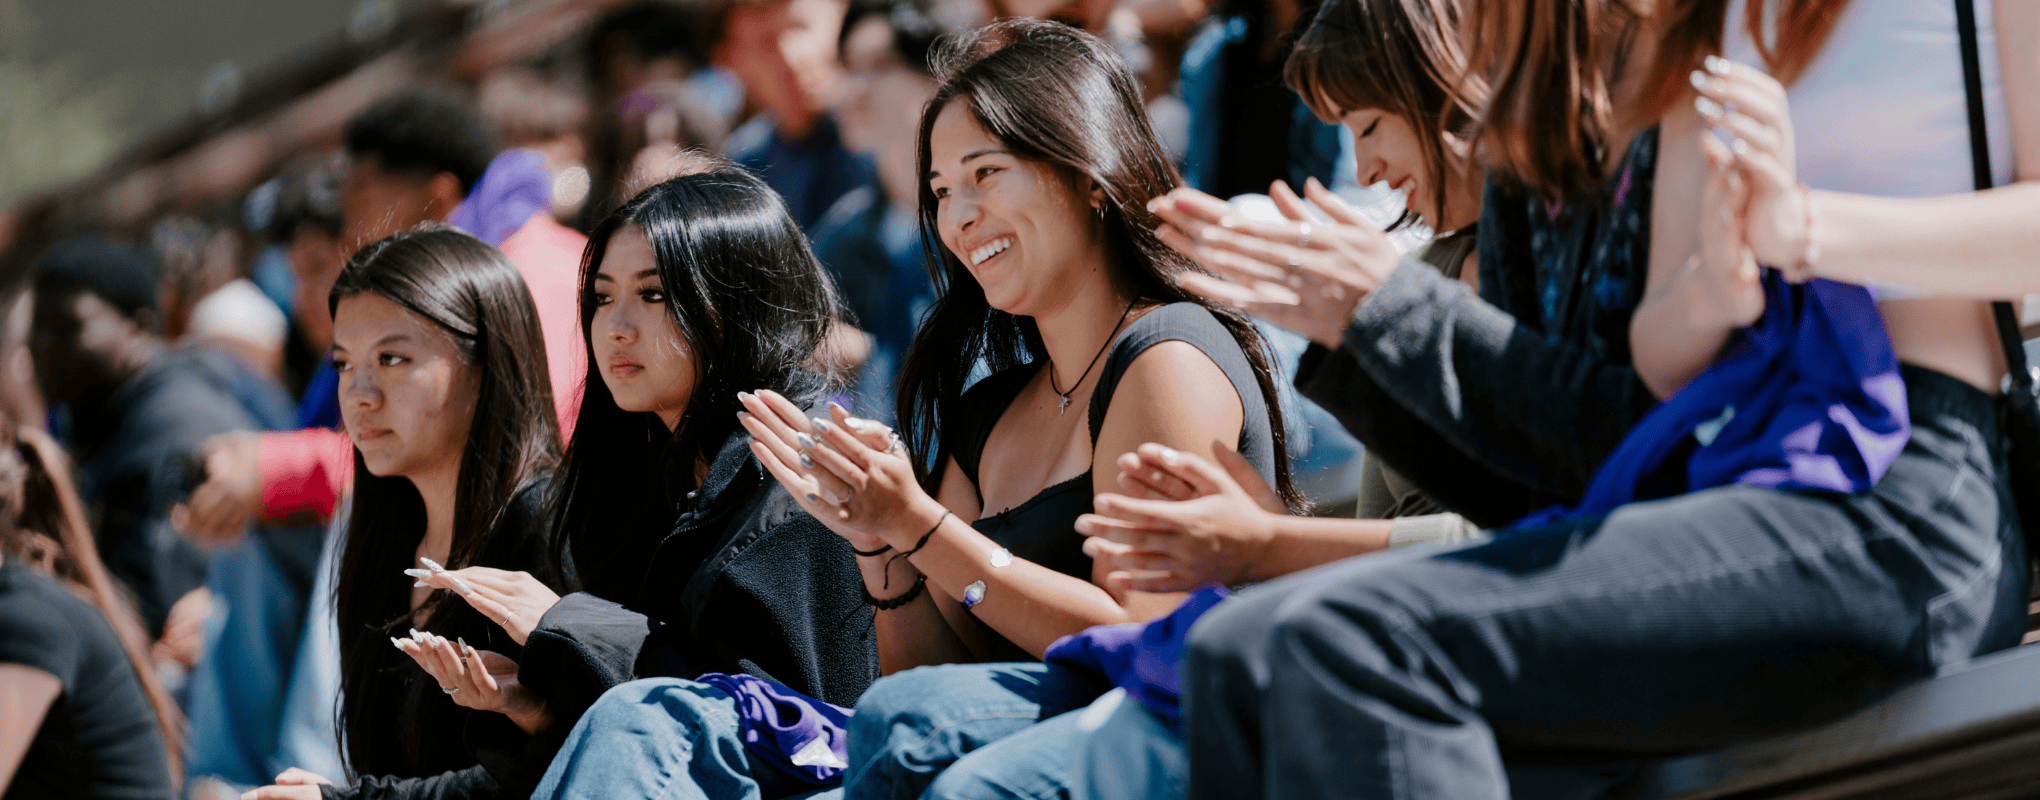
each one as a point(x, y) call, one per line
point(1304, 274)
point(480, 679)
point(852, 474)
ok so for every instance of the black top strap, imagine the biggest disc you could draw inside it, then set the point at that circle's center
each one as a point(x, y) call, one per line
point(1979, 159)
point(985, 402)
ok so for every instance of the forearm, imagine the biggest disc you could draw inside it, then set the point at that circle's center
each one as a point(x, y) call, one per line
point(1027, 603)
point(1676, 334)
point(1979, 245)
point(1300, 543)
point(915, 634)
point(1462, 368)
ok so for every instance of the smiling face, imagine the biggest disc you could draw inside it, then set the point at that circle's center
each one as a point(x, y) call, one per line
point(644, 361)
point(406, 394)
point(1020, 228)
point(1386, 150)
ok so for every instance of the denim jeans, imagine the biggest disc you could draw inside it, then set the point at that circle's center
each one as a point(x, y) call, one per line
point(1663, 627)
point(661, 739)
point(244, 668)
point(968, 731)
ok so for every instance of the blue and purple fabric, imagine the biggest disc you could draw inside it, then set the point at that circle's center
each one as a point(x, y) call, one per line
point(1145, 659)
point(1807, 399)
point(516, 186)
point(796, 734)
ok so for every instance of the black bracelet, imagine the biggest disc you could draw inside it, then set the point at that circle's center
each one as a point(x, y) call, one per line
point(920, 584)
point(917, 545)
point(870, 553)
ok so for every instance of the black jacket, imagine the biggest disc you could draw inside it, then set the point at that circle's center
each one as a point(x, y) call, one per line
point(744, 582)
point(460, 753)
point(1489, 413)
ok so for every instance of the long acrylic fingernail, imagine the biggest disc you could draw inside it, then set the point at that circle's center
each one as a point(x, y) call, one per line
point(417, 636)
point(805, 441)
point(821, 425)
point(421, 585)
point(462, 641)
point(430, 564)
point(418, 573)
point(1716, 65)
point(397, 643)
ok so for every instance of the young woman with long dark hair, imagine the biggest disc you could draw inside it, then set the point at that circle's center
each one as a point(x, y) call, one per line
point(86, 715)
point(687, 558)
point(1037, 161)
point(1695, 621)
point(445, 392)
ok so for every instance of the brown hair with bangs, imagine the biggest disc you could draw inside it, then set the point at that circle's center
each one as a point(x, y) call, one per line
point(1400, 56)
point(1548, 123)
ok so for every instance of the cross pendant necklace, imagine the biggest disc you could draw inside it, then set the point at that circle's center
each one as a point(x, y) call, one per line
point(1063, 398)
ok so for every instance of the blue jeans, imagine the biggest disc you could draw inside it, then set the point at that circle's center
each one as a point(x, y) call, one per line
point(968, 731)
point(244, 668)
point(661, 739)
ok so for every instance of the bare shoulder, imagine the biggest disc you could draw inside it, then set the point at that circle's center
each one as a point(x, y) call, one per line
point(1174, 394)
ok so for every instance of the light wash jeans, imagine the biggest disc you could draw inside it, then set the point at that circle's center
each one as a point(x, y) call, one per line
point(968, 731)
point(662, 739)
point(251, 641)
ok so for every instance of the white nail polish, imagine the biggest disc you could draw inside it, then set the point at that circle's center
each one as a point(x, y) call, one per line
point(421, 585)
point(1699, 80)
point(417, 636)
point(1716, 65)
point(418, 573)
point(430, 564)
point(397, 643)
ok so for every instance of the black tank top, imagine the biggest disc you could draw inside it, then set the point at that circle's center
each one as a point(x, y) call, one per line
point(1042, 529)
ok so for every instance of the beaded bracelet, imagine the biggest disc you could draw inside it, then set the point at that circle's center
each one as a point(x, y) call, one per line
point(920, 584)
point(1803, 271)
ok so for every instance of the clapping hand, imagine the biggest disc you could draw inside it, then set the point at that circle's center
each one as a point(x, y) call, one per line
point(852, 474)
point(1205, 524)
point(1750, 109)
point(477, 679)
point(514, 600)
point(293, 784)
point(1303, 275)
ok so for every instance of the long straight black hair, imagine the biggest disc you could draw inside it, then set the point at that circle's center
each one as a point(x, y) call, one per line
point(471, 291)
point(752, 306)
point(1055, 95)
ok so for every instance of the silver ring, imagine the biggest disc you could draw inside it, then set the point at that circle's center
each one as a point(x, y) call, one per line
point(893, 445)
point(452, 691)
point(1302, 234)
